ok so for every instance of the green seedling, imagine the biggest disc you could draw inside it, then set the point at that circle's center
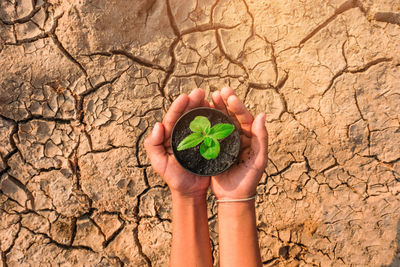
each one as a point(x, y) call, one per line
point(206, 135)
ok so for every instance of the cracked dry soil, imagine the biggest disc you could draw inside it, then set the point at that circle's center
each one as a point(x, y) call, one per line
point(82, 82)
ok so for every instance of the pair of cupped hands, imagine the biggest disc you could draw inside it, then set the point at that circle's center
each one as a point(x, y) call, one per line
point(238, 182)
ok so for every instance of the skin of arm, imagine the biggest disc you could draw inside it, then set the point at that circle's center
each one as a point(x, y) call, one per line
point(238, 241)
point(190, 234)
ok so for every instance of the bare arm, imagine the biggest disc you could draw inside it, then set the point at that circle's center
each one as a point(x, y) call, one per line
point(238, 241)
point(190, 234)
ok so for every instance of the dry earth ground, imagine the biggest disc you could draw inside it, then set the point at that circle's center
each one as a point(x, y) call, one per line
point(82, 82)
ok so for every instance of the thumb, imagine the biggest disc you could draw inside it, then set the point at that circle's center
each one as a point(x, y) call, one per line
point(259, 141)
point(154, 145)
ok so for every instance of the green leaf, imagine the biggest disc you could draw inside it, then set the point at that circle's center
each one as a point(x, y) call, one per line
point(190, 141)
point(210, 152)
point(199, 124)
point(208, 141)
point(221, 130)
point(207, 130)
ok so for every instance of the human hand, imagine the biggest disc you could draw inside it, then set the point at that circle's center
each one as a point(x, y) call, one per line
point(241, 180)
point(158, 148)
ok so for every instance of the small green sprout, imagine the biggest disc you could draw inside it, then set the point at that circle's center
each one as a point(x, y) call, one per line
point(203, 132)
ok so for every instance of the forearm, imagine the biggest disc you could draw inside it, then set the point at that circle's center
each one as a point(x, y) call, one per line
point(190, 234)
point(238, 242)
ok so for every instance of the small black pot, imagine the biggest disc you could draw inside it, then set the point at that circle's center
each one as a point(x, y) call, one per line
point(191, 159)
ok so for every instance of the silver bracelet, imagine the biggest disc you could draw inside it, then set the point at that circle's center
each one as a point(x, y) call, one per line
point(236, 200)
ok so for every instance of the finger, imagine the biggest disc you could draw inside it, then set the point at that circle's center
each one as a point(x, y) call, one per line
point(241, 113)
point(223, 105)
point(196, 98)
point(259, 141)
point(174, 113)
point(219, 102)
point(154, 142)
point(226, 92)
point(205, 103)
point(154, 145)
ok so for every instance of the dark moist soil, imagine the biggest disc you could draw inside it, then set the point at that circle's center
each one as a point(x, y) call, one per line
point(191, 158)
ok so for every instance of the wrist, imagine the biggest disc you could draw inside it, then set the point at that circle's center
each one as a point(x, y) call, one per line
point(189, 198)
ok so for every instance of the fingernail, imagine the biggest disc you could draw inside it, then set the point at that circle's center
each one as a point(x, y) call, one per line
point(263, 117)
point(195, 91)
point(156, 127)
point(180, 96)
point(232, 98)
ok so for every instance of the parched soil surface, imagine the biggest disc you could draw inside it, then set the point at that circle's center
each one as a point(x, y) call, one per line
point(83, 82)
